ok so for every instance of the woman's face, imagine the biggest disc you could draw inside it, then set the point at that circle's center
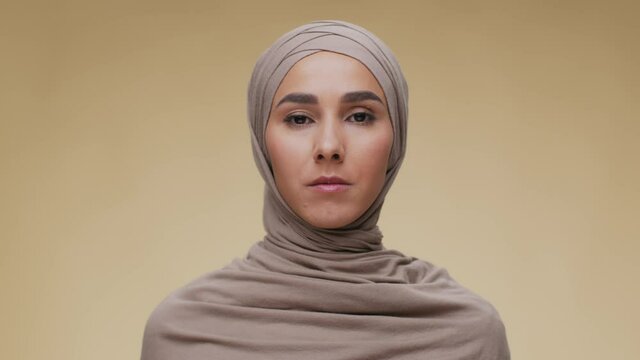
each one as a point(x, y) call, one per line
point(329, 137)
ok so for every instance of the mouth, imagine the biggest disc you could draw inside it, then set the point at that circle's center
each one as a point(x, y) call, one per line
point(329, 184)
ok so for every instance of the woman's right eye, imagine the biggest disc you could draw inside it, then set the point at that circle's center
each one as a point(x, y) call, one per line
point(298, 119)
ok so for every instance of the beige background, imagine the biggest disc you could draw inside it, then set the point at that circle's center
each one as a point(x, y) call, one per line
point(127, 172)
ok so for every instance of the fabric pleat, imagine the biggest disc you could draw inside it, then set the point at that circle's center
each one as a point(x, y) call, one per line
point(304, 292)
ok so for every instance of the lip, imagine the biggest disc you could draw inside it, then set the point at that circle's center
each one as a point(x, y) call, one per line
point(329, 184)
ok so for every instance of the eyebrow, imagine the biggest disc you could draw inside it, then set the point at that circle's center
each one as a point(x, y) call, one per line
point(356, 96)
point(300, 98)
point(350, 97)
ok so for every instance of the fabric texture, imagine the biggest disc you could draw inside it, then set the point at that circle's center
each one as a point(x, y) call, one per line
point(310, 293)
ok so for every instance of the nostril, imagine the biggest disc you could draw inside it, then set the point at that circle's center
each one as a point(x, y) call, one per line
point(334, 157)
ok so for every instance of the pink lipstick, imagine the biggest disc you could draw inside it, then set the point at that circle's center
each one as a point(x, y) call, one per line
point(329, 184)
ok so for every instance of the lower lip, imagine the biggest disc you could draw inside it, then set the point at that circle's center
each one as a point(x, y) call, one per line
point(330, 188)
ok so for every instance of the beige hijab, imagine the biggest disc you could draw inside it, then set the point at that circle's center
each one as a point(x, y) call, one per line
point(311, 293)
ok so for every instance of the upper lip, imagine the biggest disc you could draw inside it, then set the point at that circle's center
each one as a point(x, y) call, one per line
point(329, 180)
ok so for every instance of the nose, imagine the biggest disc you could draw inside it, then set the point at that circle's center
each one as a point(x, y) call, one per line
point(329, 143)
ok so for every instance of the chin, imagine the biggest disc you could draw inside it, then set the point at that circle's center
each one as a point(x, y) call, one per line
point(332, 220)
point(329, 224)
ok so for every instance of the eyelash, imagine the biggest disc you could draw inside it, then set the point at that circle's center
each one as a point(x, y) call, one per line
point(370, 118)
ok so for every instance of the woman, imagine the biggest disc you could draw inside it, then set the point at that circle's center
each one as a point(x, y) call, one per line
point(327, 109)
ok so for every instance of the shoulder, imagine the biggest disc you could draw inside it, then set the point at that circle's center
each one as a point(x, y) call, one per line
point(475, 326)
point(155, 329)
point(170, 319)
point(490, 329)
point(483, 324)
point(160, 327)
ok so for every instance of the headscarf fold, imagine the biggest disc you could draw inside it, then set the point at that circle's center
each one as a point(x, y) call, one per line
point(305, 292)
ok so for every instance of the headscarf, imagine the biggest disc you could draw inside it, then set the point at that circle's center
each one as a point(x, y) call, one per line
point(282, 224)
point(310, 293)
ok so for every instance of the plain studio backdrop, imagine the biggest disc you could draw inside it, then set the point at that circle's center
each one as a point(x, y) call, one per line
point(127, 169)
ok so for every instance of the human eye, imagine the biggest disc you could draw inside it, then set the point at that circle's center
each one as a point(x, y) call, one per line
point(362, 118)
point(298, 120)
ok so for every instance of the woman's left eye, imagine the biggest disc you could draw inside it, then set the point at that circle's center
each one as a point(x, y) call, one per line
point(362, 117)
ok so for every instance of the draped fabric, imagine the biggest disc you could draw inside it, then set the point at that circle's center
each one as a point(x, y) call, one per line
point(304, 292)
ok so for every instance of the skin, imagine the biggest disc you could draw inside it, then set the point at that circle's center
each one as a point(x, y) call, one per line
point(333, 137)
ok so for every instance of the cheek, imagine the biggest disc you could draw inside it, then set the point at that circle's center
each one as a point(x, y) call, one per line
point(286, 154)
point(374, 153)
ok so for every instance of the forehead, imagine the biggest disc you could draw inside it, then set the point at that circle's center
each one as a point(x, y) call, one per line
point(328, 73)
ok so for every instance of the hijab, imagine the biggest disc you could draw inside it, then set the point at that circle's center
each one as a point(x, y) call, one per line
point(304, 292)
